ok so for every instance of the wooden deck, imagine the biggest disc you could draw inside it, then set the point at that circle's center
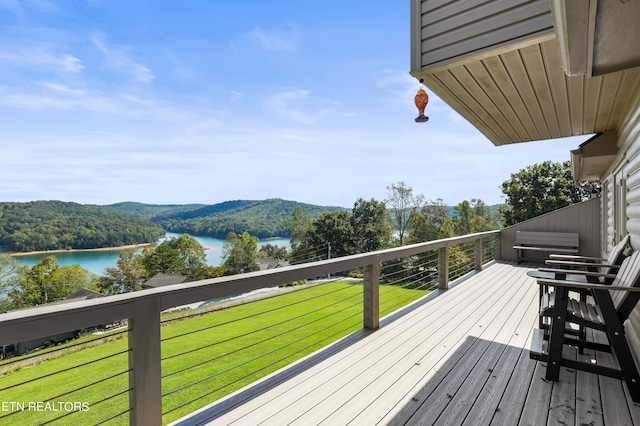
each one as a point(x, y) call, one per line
point(456, 357)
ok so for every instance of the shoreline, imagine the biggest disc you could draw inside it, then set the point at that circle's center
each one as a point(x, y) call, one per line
point(119, 248)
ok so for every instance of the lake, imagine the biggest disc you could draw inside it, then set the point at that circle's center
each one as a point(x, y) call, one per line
point(97, 261)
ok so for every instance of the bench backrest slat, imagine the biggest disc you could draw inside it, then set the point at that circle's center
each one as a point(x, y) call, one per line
point(551, 239)
point(628, 276)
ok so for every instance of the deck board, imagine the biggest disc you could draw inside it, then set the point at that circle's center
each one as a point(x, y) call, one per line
point(455, 357)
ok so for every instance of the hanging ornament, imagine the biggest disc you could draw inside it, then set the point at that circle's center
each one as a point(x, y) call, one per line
point(421, 99)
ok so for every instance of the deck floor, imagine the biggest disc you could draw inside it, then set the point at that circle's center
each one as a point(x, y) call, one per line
point(456, 357)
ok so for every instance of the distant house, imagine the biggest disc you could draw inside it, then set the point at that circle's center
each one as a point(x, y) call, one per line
point(22, 348)
point(267, 263)
point(162, 280)
point(81, 294)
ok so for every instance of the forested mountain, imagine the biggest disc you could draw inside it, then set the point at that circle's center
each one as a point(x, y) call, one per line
point(51, 225)
point(262, 219)
point(149, 211)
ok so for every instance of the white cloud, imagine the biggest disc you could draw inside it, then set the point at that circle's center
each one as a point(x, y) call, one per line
point(298, 105)
point(236, 96)
point(59, 97)
point(42, 55)
point(277, 41)
point(119, 58)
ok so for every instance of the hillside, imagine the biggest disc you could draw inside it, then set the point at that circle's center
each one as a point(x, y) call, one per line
point(54, 225)
point(149, 211)
point(262, 219)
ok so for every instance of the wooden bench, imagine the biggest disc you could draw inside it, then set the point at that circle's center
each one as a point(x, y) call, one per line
point(546, 242)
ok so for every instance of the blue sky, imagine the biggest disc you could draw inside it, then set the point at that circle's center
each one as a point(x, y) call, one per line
point(175, 102)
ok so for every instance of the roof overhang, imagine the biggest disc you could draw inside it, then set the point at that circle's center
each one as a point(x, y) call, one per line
point(506, 76)
point(597, 37)
point(594, 157)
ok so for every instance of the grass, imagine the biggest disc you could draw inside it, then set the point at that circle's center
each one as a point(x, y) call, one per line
point(204, 357)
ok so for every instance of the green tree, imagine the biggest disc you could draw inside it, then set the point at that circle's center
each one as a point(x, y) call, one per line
point(299, 228)
point(9, 268)
point(191, 254)
point(273, 251)
point(47, 282)
point(239, 253)
point(486, 219)
point(432, 222)
point(370, 225)
point(462, 221)
point(539, 189)
point(128, 275)
point(403, 204)
point(209, 272)
point(163, 259)
point(333, 228)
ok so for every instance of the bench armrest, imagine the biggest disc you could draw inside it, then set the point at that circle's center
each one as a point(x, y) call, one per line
point(583, 264)
point(574, 272)
point(586, 286)
point(576, 257)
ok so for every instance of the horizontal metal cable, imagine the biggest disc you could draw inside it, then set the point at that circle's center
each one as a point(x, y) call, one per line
point(110, 397)
point(64, 370)
point(260, 329)
point(260, 356)
point(316, 248)
point(265, 339)
point(391, 288)
point(400, 261)
point(404, 277)
point(405, 268)
point(112, 417)
point(92, 405)
point(312, 259)
point(268, 366)
point(86, 342)
point(89, 385)
point(405, 297)
point(464, 268)
point(254, 315)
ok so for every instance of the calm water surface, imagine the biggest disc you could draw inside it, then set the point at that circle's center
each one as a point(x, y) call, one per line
point(97, 261)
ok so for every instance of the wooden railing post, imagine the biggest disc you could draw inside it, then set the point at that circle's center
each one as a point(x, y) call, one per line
point(372, 296)
point(145, 396)
point(443, 267)
point(478, 254)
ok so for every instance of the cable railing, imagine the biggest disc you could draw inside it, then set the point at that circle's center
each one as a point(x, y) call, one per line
point(164, 368)
point(85, 383)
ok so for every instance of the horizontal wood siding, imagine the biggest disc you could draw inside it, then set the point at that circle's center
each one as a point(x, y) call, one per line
point(582, 218)
point(629, 142)
point(497, 63)
point(450, 30)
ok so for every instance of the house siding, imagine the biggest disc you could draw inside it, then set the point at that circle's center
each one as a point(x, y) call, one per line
point(622, 182)
point(448, 30)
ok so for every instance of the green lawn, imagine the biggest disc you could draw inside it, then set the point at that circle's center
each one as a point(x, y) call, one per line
point(224, 351)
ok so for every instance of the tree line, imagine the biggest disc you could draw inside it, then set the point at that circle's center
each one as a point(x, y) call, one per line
point(57, 225)
point(403, 217)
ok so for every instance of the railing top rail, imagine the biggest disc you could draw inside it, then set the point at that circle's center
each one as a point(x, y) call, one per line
point(45, 320)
